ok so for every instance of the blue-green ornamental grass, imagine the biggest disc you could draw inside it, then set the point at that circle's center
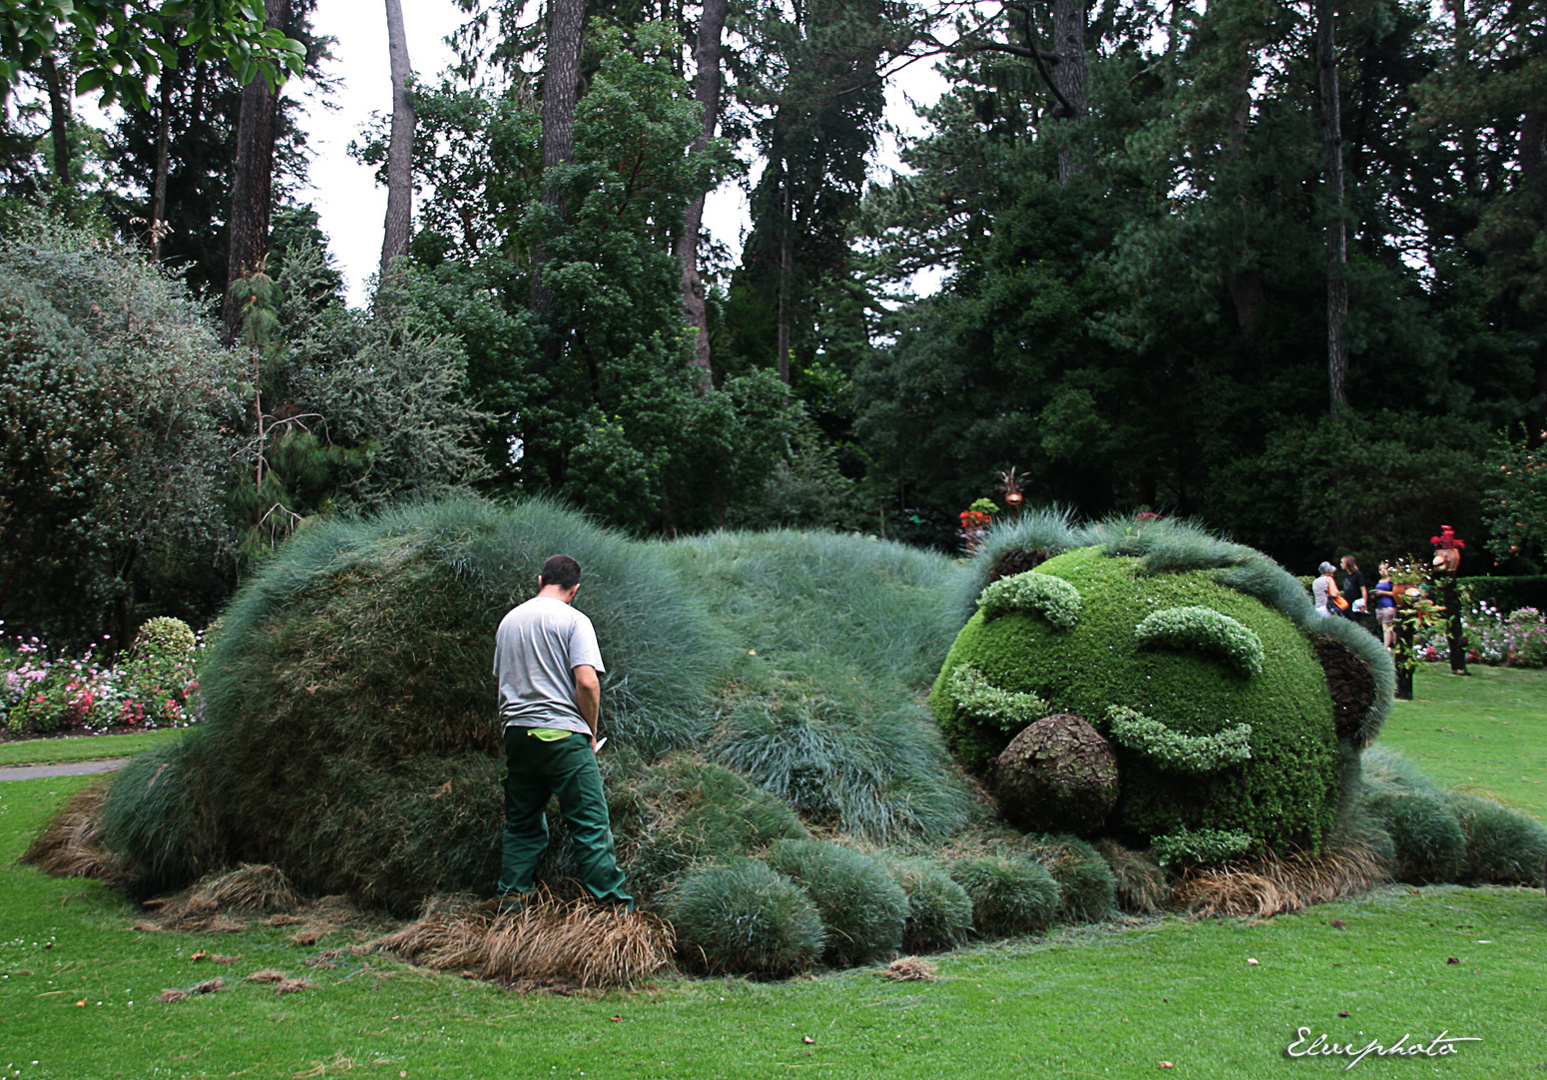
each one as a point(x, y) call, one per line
point(863, 910)
point(746, 919)
point(939, 909)
point(1011, 894)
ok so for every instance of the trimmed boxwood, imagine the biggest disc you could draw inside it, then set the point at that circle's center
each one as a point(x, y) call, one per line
point(1284, 796)
point(862, 908)
point(744, 918)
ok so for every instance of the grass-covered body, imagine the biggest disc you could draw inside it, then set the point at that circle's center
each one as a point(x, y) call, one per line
point(350, 734)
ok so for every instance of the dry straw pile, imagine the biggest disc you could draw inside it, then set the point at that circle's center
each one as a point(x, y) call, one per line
point(547, 941)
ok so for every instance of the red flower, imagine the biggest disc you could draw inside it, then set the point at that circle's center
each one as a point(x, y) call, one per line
point(1447, 539)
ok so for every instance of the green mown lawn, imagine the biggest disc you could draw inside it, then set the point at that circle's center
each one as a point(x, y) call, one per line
point(1485, 733)
point(84, 748)
point(1114, 1001)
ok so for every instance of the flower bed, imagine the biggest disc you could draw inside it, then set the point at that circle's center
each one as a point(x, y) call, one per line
point(152, 685)
point(1518, 639)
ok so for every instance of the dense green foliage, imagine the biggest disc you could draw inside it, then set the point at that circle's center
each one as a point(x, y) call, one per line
point(119, 408)
point(1134, 309)
point(1285, 794)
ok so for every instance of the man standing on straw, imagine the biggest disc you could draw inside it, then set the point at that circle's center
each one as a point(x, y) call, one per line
point(546, 661)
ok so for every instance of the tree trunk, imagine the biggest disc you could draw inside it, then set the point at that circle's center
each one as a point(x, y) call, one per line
point(252, 186)
point(400, 151)
point(158, 187)
point(786, 268)
point(59, 117)
point(1533, 173)
point(706, 91)
point(1069, 74)
point(561, 87)
point(1337, 236)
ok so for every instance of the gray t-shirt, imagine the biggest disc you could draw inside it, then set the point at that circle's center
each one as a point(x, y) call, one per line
point(535, 651)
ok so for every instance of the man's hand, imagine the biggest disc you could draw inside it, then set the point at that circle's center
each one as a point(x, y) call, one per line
point(588, 697)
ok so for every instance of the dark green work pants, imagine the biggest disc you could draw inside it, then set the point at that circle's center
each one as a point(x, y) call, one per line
point(567, 768)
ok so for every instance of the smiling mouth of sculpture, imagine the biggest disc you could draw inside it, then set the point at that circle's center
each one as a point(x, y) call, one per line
point(1195, 629)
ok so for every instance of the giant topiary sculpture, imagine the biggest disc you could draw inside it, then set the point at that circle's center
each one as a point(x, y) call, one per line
point(1150, 682)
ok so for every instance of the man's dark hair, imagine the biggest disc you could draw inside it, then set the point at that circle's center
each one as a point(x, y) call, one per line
point(562, 571)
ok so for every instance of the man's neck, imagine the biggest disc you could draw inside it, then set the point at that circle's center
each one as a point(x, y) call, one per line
point(557, 592)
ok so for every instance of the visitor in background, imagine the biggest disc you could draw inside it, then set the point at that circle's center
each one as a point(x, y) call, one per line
point(1386, 606)
point(1324, 590)
point(1354, 590)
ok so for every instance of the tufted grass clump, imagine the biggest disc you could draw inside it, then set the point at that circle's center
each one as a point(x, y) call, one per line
point(683, 812)
point(939, 909)
point(745, 918)
point(1011, 894)
point(1430, 846)
point(1140, 883)
point(1087, 888)
point(863, 910)
point(158, 816)
point(1503, 846)
point(836, 637)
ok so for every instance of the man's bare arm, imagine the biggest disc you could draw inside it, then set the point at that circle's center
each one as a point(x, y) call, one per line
point(588, 696)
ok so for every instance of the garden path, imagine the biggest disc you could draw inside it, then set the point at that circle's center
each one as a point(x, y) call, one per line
point(69, 768)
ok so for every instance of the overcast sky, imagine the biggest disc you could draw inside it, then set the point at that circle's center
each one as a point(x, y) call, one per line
point(348, 201)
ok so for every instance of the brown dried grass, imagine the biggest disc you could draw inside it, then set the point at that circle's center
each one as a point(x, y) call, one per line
point(250, 889)
point(71, 844)
point(911, 969)
point(1141, 883)
point(1273, 885)
point(548, 940)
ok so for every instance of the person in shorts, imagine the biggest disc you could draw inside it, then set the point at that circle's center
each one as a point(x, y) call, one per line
point(1386, 606)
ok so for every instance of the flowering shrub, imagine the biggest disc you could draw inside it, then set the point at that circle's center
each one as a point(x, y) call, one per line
point(1518, 639)
point(975, 522)
point(151, 686)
